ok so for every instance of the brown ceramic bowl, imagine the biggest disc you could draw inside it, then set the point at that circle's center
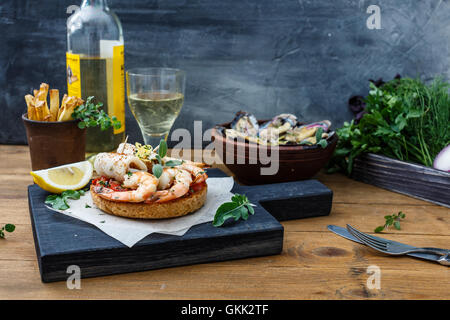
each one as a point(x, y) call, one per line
point(54, 143)
point(295, 162)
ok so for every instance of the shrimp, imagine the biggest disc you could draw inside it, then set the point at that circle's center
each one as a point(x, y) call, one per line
point(181, 181)
point(166, 178)
point(198, 173)
point(192, 163)
point(116, 165)
point(182, 177)
point(145, 185)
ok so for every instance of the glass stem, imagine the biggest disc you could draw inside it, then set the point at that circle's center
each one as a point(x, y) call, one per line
point(154, 140)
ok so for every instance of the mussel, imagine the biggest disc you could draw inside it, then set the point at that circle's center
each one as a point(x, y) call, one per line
point(306, 133)
point(282, 122)
point(245, 123)
point(281, 130)
point(271, 131)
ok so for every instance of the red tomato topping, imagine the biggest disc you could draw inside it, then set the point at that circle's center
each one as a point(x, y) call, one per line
point(108, 183)
point(198, 186)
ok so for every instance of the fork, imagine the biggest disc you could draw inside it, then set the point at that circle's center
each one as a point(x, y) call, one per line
point(392, 247)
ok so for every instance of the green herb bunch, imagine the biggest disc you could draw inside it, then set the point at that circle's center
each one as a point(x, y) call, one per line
point(157, 169)
point(92, 115)
point(393, 219)
point(239, 208)
point(406, 119)
point(8, 228)
point(59, 201)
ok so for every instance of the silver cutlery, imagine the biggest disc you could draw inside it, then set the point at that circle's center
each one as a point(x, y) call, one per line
point(444, 260)
point(397, 248)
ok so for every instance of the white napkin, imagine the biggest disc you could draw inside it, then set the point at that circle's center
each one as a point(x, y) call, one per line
point(130, 231)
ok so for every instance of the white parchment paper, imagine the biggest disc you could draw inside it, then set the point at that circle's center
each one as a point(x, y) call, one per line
point(130, 231)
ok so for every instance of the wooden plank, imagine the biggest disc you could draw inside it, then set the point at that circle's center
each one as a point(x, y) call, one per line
point(314, 264)
point(20, 245)
point(407, 178)
point(417, 227)
point(426, 220)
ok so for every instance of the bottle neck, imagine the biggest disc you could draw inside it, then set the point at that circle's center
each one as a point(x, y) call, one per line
point(95, 3)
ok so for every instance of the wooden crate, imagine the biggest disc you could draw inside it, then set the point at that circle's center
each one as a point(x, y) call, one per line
point(411, 179)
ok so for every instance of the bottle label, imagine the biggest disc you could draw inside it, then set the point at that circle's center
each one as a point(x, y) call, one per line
point(112, 91)
point(73, 75)
point(119, 86)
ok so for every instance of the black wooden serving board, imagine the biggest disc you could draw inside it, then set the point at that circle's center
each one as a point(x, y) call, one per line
point(62, 241)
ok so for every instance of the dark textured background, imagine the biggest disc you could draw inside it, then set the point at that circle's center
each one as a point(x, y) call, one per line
point(264, 56)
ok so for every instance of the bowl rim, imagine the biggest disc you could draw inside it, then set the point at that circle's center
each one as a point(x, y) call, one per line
point(25, 118)
point(296, 148)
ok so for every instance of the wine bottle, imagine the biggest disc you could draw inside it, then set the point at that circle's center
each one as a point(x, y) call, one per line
point(95, 67)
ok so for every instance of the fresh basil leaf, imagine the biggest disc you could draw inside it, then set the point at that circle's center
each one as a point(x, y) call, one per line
point(173, 163)
point(157, 170)
point(59, 201)
point(162, 151)
point(56, 202)
point(244, 212)
point(71, 194)
point(239, 208)
point(250, 208)
point(226, 211)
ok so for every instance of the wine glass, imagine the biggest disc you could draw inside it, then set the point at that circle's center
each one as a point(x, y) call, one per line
point(155, 97)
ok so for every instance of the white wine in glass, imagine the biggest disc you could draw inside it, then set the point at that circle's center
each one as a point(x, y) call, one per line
point(155, 97)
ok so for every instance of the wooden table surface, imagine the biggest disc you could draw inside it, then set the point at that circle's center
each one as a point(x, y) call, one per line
point(314, 264)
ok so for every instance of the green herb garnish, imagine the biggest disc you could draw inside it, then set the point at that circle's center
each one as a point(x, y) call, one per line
point(59, 201)
point(238, 208)
point(104, 183)
point(92, 115)
point(319, 140)
point(8, 228)
point(157, 169)
point(393, 219)
point(405, 119)
point(173, 163)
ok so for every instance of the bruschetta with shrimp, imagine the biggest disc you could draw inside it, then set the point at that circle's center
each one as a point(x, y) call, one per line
point(124, 187)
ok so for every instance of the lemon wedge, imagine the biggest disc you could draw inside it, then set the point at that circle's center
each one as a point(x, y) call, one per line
point(71, 176)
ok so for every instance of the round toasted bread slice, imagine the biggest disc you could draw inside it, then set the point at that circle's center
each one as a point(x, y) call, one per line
point(171, 209)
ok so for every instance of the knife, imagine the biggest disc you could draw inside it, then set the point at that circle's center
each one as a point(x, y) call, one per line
point(426, 256)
